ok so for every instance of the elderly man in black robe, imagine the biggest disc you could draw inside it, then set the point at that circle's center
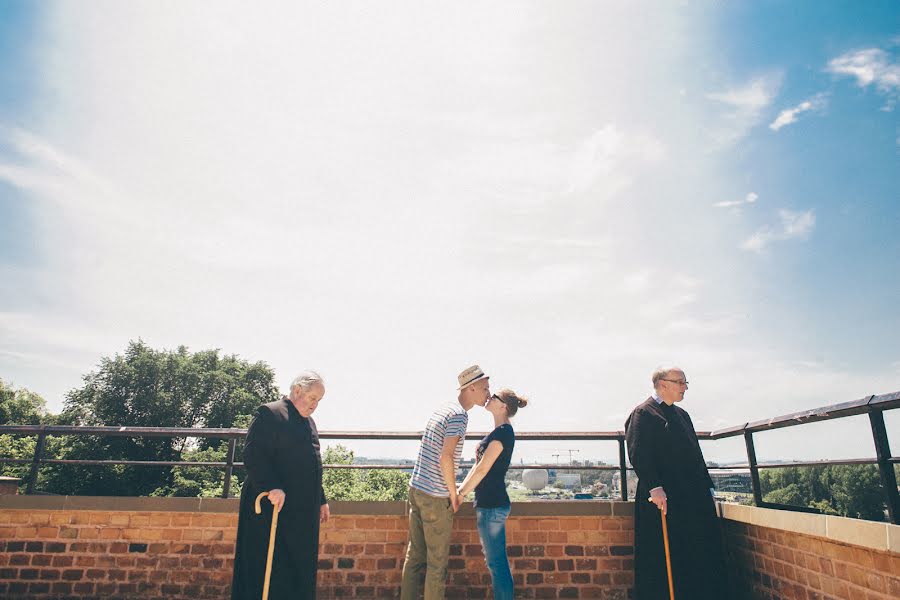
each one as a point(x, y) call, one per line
point(672, 475)
point(282, 457)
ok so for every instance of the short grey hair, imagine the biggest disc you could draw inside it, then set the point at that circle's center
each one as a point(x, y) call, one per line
point(662, 372)
point(306, 380)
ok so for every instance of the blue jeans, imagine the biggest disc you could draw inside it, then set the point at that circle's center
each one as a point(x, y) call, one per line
point(492, 531)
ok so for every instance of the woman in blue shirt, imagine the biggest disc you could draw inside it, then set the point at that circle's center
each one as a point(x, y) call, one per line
point(488, 478)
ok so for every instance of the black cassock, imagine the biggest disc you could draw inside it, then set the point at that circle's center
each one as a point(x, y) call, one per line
point(664, 451)
point(281, 452)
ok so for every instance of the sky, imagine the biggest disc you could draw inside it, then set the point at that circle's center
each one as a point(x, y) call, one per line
point(568, 195)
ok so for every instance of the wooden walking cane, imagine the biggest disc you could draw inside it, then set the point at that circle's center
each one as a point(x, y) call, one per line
point(668, 557)
point(265, 595)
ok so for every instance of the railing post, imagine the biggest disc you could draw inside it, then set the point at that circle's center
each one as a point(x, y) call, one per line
point(36, 461)
point(623, 470)
point(754, 470)
point(883, 454)
point(229, 468)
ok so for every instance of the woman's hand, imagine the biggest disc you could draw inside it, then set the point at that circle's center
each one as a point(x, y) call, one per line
point(324, 513)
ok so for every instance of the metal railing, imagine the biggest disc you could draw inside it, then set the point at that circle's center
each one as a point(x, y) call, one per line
point(873, 406)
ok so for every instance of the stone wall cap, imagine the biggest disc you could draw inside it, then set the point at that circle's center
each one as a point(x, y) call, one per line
point(874, 535)
point(556, 508)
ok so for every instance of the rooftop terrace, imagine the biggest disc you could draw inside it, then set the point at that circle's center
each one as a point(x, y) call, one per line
point(83, 548)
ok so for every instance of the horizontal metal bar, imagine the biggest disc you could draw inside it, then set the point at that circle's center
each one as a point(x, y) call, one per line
point(885, 401)
point(817, 463)
point(735, 431)
point(132, 463)
point(860, 406)
point(169, 463)
point(791, 507)
point(61, 430)
point(106, 431)
point(569, 467)
point(475, 435)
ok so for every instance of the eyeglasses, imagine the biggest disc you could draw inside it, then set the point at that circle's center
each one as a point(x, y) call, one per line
point(496, 397)
point(678, 381)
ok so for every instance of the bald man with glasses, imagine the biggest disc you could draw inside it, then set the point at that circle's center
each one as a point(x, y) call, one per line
point(673, 480)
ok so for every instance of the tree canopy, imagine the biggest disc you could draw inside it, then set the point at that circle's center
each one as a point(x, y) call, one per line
point(20, 406)
point(361, 484)
point(151, 388)
point(846, 490)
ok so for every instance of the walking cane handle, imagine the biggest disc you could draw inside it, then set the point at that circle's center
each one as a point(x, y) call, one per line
point(258, 500)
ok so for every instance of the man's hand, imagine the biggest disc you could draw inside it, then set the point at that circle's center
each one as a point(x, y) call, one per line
point(276, 497)
point(324, 513)
point(455, 502)
point(658, 497)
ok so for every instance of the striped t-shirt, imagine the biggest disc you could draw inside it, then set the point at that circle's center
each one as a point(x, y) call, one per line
point(445, 422)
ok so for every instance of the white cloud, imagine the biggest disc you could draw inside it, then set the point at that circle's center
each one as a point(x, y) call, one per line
point(752, 97)
point(789, 115)
point(871, 66)
point(638, 281)
point(740, 109)
point(609, 157)
point(750, 198)
point(523, 171)
point(793, 226)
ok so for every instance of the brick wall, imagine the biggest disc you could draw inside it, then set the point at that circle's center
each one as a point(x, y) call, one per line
point(181, 548)
point(771, 563)
point(550, 556)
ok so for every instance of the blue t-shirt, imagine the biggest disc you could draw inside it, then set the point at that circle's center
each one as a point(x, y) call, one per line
point(491, 492)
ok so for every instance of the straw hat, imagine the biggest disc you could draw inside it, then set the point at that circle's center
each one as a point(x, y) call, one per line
point(470, 376)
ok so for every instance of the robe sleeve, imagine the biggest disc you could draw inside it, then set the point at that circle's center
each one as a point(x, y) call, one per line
point(314, 433)
point(709, 481)
point(259, 451)
point(640, 440)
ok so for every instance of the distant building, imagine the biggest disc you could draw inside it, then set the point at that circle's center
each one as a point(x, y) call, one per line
point(732, 480)
point(568, 480)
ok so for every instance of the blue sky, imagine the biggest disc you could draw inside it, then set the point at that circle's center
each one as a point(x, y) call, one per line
point(18, 83)
point(844, 160)
point(569, 198)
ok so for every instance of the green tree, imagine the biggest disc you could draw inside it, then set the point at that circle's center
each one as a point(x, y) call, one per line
point(857, 491)
point(361, 484)
point(19, 407)
point(338, 483)
point(203, 482)
point(846, 490)
point(789, 494)
point(154, 388)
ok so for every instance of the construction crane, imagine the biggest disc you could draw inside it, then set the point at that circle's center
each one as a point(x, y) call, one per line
point(571, 451)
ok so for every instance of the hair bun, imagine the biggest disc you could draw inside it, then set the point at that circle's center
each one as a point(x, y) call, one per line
point(523, 402)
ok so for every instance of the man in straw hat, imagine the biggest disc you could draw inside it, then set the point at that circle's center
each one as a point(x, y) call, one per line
point(672, 475)
point(432, 489)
